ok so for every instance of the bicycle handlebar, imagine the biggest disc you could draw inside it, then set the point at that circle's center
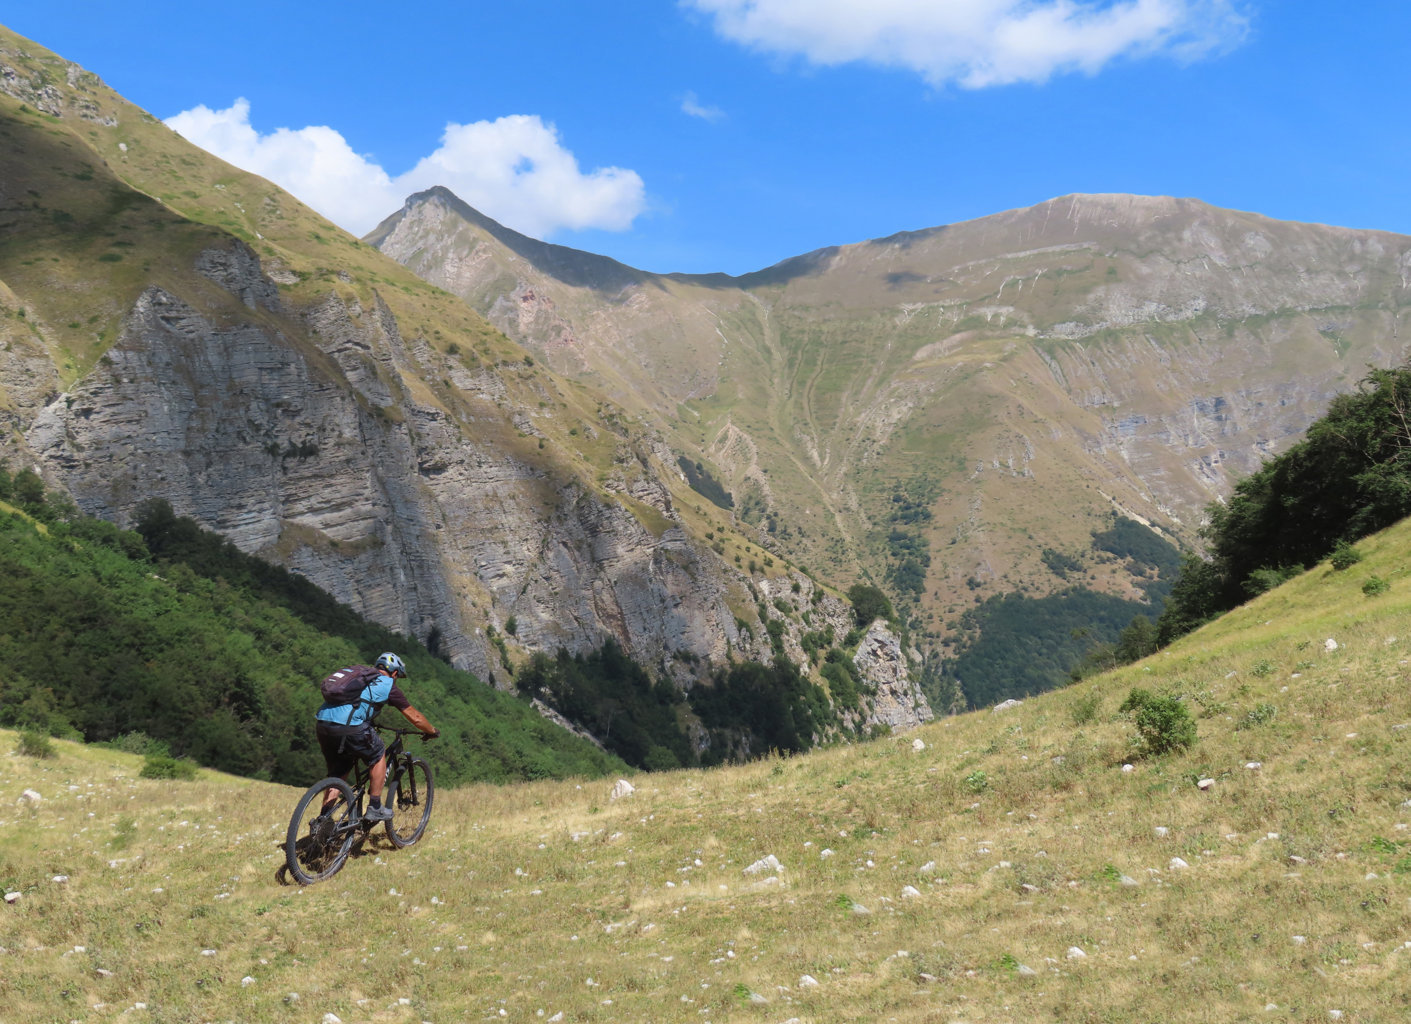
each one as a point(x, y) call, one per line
point(399, 731)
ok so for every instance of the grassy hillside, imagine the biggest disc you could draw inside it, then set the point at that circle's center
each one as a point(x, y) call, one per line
point(1006, 868)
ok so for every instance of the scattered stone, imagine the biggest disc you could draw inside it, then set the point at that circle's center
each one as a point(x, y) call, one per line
point(622, 789)
point(1299, 940)
point(60, 879)
point(918, 745)
point(825, 852)
point(808, 981)
point(1330, 644)
point(12, 897)
point(1074, 953)
point(769, 863)
point(1161, 831)
point(1129, 768)
point(208, 952)
point(1296, 859)
point(246, 981)
point(1176, 864)
point(1128, 881)
point(1335, 1015)
point(1005, 705)
point(910, 892)
point(1254, 766)
point(1205, 784)
point(1025, 971)
point(30, 798)
point(332, 1018)
point(103, 972)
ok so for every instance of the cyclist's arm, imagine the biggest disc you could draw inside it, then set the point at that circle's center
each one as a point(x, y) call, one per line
point(419, 720)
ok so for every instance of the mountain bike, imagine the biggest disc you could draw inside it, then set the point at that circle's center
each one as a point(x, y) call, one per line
point(322, 832)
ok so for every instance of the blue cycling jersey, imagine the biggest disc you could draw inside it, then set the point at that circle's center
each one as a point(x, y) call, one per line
point(382, 690)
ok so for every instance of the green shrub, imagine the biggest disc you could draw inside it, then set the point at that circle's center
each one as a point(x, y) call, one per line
point(1085, 708)
point(137, 743)
point(1345, 556)
point(159, 766)
point(977, 781)
point(1375, 585)
point(1260, 714)
point(35, 744)
point(1165, 724)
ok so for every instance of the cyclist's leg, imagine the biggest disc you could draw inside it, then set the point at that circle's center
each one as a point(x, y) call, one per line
point(377, 777)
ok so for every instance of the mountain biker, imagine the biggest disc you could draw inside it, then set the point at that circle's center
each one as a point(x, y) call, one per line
point(345, 733)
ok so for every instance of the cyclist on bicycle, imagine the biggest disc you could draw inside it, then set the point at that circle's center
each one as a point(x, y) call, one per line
point(345, 733)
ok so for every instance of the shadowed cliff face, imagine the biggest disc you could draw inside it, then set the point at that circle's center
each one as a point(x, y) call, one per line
point(1026, 372)
point(338, 470)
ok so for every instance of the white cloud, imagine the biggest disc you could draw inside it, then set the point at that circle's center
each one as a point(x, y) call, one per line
point(692, 105)
point(513, 169)
point(978, 43)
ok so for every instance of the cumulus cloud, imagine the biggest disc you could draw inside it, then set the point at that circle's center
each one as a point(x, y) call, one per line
point(978, 43)
point(692, 105)
point(514, 169)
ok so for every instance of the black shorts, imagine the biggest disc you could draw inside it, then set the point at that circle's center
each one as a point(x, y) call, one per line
point(345, 745)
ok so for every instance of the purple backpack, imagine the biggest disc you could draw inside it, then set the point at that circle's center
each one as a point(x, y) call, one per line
point(346, 686)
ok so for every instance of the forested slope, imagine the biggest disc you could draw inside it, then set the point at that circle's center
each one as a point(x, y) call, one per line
point(104, 642)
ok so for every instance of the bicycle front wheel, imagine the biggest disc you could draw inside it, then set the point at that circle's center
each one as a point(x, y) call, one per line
point(411, 806)
point(320, 837)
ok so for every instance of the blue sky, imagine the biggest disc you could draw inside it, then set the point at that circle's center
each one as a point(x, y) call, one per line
point(726, 135)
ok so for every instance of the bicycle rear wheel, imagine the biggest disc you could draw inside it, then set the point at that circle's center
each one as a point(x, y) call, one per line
point(319, 840)
point(411, 805)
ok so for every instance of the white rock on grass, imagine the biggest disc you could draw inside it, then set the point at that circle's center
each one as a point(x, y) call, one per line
point(1205, 784)
point(622, 789)
point(332, 1018)
point(1075, 953)
point(910, 892)
point(1330, 644)
point(808, 981)
point(769, 863)
point(918, 745)
point(1005, 705)
point(1177, 864)
point(30, 798)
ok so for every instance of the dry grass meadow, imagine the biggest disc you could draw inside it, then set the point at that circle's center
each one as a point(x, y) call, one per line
point(1000, 866)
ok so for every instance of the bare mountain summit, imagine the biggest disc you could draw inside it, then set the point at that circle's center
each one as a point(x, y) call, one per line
point(1015, 378)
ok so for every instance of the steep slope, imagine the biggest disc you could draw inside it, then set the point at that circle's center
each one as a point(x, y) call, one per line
point(1013, 378)
point(1010, 869)
point(177, 328)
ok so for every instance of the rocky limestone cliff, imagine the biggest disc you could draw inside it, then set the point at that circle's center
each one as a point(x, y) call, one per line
point(898, 702)
point(335, 467)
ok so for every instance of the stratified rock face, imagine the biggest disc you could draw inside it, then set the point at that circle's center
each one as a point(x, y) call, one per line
point(898, 702)
point(333, 467)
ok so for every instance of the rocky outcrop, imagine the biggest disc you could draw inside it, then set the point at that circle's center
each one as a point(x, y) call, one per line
point(898, 703)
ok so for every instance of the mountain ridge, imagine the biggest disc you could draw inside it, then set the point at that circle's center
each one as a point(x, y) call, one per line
point(1099, 352)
